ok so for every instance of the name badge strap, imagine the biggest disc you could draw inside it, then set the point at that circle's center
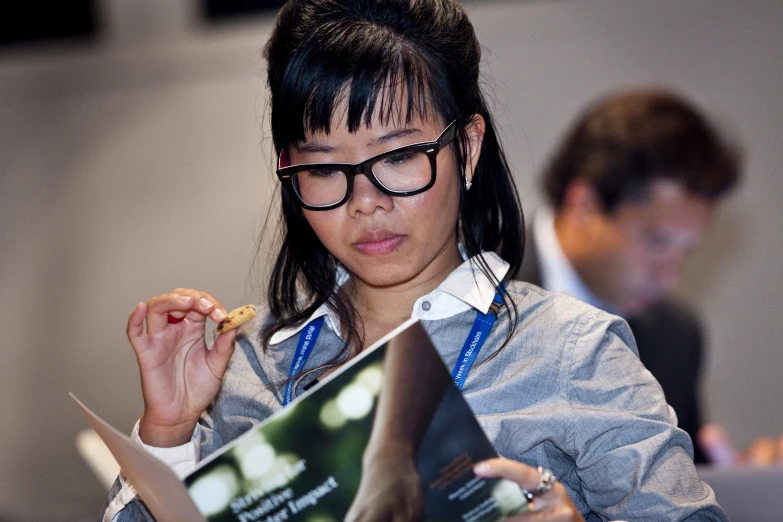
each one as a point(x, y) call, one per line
point(482, 325)
point(307, 340)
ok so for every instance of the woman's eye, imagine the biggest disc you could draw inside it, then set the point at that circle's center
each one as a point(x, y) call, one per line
point(399, 159)
point(322, 172)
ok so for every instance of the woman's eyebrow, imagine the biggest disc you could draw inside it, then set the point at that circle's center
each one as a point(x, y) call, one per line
point(314, 147)
point(394, 135)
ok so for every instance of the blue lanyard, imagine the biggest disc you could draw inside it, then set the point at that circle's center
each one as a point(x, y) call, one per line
point(306, 342)
point(470, 349)
point(475, 340)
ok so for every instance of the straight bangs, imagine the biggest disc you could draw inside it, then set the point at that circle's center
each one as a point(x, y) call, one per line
point(373, 68)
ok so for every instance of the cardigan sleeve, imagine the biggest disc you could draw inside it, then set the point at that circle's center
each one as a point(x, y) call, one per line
point(634, 463)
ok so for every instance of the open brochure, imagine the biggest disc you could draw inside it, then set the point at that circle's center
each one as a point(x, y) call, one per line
point(338, 448)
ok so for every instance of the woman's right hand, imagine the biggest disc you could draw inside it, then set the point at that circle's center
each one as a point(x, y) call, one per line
point(179, 375)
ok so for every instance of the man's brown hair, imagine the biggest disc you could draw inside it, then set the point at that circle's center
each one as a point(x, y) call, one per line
point(630, 138)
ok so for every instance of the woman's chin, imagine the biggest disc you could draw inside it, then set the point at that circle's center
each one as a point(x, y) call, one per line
point(389, 281)
point(383, 277)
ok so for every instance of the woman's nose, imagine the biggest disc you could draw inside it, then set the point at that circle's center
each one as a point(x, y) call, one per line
point(366, 198)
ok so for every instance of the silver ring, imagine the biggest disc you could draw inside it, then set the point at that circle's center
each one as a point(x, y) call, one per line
point(546, 479)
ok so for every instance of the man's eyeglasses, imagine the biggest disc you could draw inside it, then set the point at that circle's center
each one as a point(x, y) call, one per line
point(404, 171)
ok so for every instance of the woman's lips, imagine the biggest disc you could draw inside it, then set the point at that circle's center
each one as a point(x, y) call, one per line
point(378, 243)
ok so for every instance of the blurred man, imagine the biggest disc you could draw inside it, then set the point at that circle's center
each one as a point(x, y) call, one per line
point(633, 188)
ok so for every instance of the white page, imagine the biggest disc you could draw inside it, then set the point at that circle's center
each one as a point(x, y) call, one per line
point(165, 495)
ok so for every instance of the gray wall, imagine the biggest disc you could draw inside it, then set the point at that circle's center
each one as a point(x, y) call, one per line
point(139, 164)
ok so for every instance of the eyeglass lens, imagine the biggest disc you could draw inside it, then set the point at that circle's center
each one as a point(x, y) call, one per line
point(405, 171)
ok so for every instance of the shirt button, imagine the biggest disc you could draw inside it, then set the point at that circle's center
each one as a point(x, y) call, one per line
point(426, 305)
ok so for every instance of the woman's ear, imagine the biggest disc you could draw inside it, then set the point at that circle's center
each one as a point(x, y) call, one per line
point(474, 130)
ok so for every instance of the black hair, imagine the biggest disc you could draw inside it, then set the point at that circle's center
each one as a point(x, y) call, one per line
point(632, 137)
point(387, 57)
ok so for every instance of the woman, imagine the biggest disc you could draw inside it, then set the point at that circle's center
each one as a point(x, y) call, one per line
point(397, 201)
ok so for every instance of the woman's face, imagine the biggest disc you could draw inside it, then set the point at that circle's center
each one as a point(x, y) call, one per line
point(387, 240)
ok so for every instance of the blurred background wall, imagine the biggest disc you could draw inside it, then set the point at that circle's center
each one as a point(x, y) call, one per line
point(137, 162)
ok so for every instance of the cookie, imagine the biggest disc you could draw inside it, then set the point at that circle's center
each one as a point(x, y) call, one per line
point(236, 318)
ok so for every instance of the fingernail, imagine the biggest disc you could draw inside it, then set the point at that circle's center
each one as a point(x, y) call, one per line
point(184, 299)
point(204, 302)
point(219, 314)
point(481, 467)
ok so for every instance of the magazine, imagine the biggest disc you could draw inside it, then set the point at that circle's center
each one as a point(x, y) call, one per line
point(389, 426)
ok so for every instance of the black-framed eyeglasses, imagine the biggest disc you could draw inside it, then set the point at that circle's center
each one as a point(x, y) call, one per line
point(404, 171)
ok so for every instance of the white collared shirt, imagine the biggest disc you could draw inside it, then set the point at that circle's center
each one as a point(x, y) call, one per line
point(465, 288)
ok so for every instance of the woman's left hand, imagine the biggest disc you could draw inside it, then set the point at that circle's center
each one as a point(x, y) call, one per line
point(553, 505)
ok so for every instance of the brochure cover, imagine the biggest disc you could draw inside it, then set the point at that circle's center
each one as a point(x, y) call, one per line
point(388, 430)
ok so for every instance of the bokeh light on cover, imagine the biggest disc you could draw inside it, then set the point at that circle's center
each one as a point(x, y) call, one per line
point(355, 401)
point(331, 417)
point(213, 492)
point(508, 497)
point(371, 378)
point(256, 462)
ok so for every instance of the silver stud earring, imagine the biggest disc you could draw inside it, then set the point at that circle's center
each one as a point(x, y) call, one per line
point(468, 184)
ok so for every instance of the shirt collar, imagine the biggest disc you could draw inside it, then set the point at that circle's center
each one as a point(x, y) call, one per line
point(557, 273)
point(465, 288)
